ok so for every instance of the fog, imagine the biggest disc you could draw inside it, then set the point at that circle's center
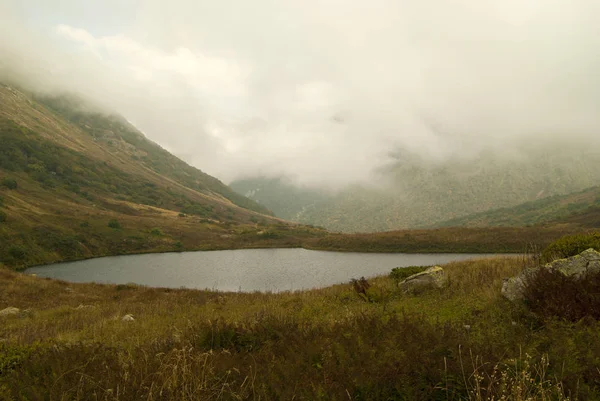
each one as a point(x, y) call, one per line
point(324, 91)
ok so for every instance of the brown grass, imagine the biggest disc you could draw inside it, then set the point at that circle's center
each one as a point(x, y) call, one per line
point(462, 342)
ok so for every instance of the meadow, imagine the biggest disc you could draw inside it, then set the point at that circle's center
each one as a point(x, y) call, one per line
point(345, 342)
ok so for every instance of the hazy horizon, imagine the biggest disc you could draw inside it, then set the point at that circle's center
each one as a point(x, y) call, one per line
point(322, 91)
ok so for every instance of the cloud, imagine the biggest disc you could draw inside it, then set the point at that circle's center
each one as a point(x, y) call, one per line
point(325, 90)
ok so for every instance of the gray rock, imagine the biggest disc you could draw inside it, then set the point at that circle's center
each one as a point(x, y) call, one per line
point(579, 265)
point(10, 311)
point(128, 318)
point(434, 277)
point(576, 266)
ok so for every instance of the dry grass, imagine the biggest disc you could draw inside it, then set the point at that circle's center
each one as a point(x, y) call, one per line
point(462, 342)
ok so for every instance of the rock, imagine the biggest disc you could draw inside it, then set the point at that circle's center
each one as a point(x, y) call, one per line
point(579, 265)
point(10, 311)
point(81, 306)
point(128, 318)
point(576, 266)
point(434, 277)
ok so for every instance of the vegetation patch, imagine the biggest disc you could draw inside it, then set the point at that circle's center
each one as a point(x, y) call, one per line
point(464, 342)
point(551, 294)
point(9, 183)
point(571, 245)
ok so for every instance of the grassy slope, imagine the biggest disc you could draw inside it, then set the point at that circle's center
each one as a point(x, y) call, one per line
point(72, 183)
point(555, 208)
point(462, 342)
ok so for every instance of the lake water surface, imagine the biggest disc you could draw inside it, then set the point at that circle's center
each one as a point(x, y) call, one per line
point(240, 270)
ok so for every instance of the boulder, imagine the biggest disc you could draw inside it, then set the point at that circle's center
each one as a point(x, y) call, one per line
point(576, 266)
point(579, 265)
point(433, 277)
point(10, 311)
point(128, 318)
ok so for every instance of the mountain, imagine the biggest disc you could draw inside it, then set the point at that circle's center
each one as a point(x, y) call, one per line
point(413, 193)
point(77, 183)
point(581, 207)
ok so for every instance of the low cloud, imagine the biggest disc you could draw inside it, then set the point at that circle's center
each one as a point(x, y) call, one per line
point(324, 91)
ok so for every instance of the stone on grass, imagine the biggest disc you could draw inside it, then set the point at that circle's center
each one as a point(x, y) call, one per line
point(128, 318)
point(433, 277)
point(577, 266)
point(10, 311)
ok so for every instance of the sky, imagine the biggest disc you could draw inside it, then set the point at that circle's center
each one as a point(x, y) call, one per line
point(324, 91)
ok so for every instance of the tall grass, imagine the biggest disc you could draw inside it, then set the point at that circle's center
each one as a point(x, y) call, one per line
point(463, 342)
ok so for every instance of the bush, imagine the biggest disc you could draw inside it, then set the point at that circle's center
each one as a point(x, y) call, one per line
point(571, 245)
point(400, 273)
point(114, 224)
point(552, 294)
point(2, 216)
point(156, 231)
point(9, 183)
point(16, 253)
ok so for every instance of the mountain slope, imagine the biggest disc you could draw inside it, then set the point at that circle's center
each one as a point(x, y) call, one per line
point(582, 207)
point(414, 193)
point(77, 184)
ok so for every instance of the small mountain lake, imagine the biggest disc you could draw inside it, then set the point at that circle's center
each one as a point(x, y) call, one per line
point(240, 270)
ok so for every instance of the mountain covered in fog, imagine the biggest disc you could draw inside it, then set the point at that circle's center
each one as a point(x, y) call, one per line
point(412, 192)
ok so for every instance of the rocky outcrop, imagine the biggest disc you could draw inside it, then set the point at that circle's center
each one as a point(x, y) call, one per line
point(10, 311)
point(433, 277)
point(576, 266)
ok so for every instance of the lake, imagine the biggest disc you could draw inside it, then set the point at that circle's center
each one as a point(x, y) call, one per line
point(240, 270)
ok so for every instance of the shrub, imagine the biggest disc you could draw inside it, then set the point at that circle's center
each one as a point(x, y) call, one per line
point(360, 286)
point(552, 294)
point(9, 183)
point(156, 231)
point(400, 273)
point(16, 253)
point(571, 245)
point(114, 224)
point(182, 215)
point(2, 216)
point(179, 246)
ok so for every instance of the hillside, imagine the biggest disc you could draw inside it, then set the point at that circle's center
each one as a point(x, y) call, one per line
point(581, 207)
point(414, 193)
point(75, 184)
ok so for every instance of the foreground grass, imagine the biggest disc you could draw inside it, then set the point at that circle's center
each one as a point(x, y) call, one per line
point(462, 342)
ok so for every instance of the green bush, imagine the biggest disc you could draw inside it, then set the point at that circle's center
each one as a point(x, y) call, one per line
point(114, 223)
point(156, 231)
point(17, 253)
point(400, 273)
point(571, 245)
point(9, 183)
point(2, 216)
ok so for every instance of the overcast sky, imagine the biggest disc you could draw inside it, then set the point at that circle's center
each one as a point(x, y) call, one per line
point(322, 90)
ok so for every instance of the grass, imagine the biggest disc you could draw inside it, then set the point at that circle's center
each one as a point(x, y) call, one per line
point(461, 342)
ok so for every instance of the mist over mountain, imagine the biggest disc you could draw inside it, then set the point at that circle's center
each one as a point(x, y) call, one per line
point(412, 192)
point(328, 93)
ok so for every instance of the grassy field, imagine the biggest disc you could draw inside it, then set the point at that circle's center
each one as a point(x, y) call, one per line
point(461, 342)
